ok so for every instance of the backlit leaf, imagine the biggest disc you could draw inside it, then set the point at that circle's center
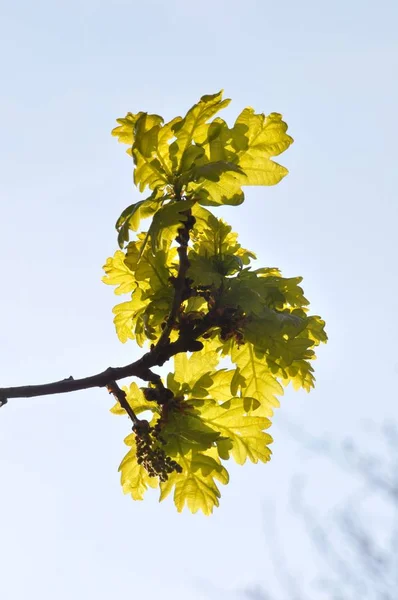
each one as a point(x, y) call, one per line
point(186, 129)
point(259, 381)
point(136, 400)
point(134, 478)
point(125, 314)
point(236, 420)
point(189, 370)
point(126, 129)
point(118, 273)
point(131, 217)
point(166, 221)
point(195, 487)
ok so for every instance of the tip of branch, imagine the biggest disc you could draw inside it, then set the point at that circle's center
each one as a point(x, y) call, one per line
point(3, 401)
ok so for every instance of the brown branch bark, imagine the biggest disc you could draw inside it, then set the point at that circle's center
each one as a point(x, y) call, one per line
point(120, 396)
point(180, 283)
point(141, 368)
point(157, 356)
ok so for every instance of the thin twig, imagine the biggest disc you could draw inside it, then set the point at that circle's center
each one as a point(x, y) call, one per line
point(120, 396)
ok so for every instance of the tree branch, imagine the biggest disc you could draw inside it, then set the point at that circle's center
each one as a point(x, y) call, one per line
point(141, 368)
point(180, 283)
point(157, 356)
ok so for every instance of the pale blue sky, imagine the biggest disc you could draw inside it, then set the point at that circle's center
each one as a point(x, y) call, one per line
point(68, 70)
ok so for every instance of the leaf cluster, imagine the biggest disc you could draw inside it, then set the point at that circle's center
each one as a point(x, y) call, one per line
point(194, 291)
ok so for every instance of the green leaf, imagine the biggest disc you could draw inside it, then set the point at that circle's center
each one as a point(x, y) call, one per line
point(136, 400)
point(155, 313)
point(192, 156)
point(260, 383)
point(235, 420)
point(166, 221)
point(215, 238)
point(220, 388)
point(190, 126)
point(185, 431)
point(141, 317)
point(166, 133)
point(131, 216)
point(195, 487)
point(226, 190)
point(146, 134)
point(271, 283)
point(300, 373)
point(134, 477)
point(150, 165)
point(211, 171)
point(126, 129)
point(249, 144)
point(202, 216)
point(148, 172)
point(118, 273)
point(204, 271)
point(151, 271)
point(125, 313)
point(256, 138)
point(188, 370)
point(240, 293)
point(254, 134)
point(216, 254)
point(315, 330)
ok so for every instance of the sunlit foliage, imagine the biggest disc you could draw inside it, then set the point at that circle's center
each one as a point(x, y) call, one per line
point(218, 298)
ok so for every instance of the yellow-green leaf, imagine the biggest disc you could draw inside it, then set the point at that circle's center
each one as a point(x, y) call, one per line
point(134, 478)
point(195, 487)
point(136, 400)
point(227, 190)
point(151, 271)
point(237, 419)
point(249, 144)
point(189, 370)
point(220, 389)
point(125, 131)
point(186, 129)
point(148, 172)
point(166, 133)
point(125, 314)
point(166, 221)
point(260, 383)
point(131, 217)
point(118, 273)
point(256, 133)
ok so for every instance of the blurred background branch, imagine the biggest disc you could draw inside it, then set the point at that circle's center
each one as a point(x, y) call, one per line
point(355, 544)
